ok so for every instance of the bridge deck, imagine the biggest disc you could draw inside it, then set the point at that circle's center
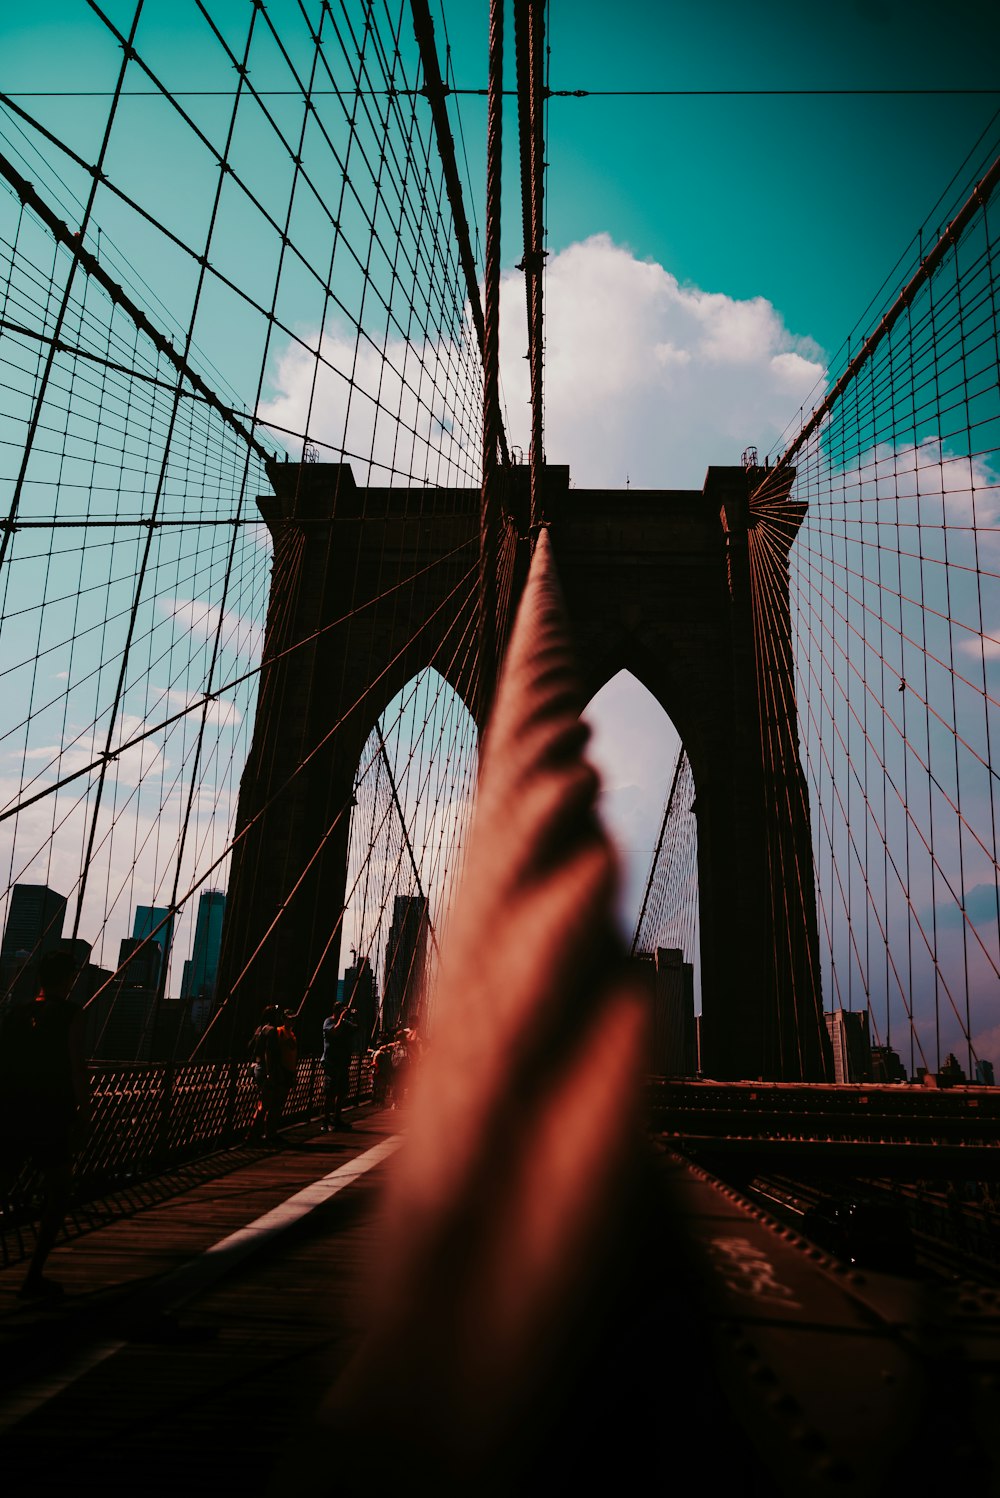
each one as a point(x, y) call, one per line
point(179, 1351)
point(200, 1334)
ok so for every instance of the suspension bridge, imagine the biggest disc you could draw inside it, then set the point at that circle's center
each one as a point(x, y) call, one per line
point(273, 567)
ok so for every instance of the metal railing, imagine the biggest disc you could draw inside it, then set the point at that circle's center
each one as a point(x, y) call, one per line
point(148, 1119)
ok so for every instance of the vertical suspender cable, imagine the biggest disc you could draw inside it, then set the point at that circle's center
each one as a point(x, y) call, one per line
point(536, 70)
point(489, 512)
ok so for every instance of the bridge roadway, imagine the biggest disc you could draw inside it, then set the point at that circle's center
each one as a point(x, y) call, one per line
point(201, 1329)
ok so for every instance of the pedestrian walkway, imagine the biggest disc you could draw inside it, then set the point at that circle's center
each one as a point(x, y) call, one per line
point(197, 1335)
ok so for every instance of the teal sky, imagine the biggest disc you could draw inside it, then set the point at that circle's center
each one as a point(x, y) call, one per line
point(807, 201)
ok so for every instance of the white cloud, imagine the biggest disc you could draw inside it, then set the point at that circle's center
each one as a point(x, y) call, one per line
point(222, 713)
point(646, 377)
point(928, 506)
point(643, 376)
point(398, 412)
point(243, 636)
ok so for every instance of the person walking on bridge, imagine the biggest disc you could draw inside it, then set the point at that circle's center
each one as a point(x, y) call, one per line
point(269, 1073)
point(44, 1103)
point(339, 1030)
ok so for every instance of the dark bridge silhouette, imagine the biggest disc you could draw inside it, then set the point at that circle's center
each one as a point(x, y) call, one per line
point(656, 582)
point(285, 720)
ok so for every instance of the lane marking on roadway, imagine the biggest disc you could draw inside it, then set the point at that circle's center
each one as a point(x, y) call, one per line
point(190, 1280)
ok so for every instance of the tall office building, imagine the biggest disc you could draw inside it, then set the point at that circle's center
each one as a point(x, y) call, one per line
point(34, 920)
point(201, 970)
point(674, 1035)
point(202, 967)
point(139, 963)
point(357, 988)
point(405, 963)
point(145, 922)
point(886, 1065)
point(34, 926)
point(851, 1045)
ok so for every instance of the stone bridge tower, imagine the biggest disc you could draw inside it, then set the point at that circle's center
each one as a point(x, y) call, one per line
point(657, 582)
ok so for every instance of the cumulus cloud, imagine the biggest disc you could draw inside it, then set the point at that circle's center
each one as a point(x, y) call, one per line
point(402, 413)
point(243, 636)
point(222, 713)
point(980, 907)
point(81, 749)
point(646, 377)
point(936, 513)
point(643, 377)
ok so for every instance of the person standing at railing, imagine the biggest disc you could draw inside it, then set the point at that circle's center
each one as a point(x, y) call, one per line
point(288, 1049)
point(339, 1030)
point(270, 1075)
point(44, 1103)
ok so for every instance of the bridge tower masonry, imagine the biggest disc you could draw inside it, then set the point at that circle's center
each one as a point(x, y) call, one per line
point(657, 582)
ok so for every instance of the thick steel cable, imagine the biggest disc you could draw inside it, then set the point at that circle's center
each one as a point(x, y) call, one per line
point(490, 506)
point(536, 88)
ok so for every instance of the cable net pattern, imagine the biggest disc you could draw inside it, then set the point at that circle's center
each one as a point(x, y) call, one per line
point(895, 631)
point(669, 913)
point(274, 196)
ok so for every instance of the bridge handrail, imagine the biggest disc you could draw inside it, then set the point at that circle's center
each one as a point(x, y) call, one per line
point(149, 1117)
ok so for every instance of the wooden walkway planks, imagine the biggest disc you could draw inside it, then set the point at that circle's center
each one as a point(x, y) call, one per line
point(205, 1396)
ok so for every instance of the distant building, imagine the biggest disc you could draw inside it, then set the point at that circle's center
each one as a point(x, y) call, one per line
point(34, 919)
point(357, 988)
point(951, 1073)
point(851, 1045)
point(674, 1039)
point(202, 968)
point(128, 1022)
point(984, 1073)
point(34, 926)
point(139, 963)
point(405, 963)
point(78, 949)
point(886, 1065)
point(146, 920)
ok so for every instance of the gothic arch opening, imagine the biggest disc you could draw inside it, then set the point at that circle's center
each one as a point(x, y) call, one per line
point(648, 806)
point(413, 792)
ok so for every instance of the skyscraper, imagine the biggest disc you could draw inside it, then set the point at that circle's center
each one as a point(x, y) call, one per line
point(34, 926)
point(202, 967)
point(405, 963)
point(357, 987)
point(34, 920)
point(851, 1045)
point(145, 922)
